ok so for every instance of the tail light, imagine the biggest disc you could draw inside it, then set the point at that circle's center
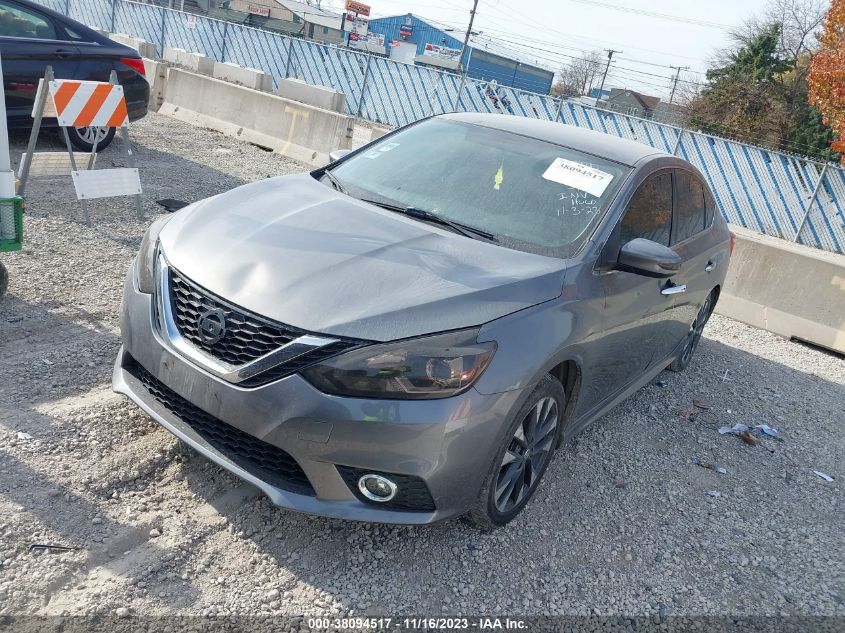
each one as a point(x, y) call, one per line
point(733, 243)
point(136, 64)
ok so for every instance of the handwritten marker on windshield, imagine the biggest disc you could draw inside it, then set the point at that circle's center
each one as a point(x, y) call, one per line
point(499, 178)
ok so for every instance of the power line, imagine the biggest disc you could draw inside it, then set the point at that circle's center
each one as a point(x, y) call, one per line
point(525, 19)
point(565, 55)
point(655, 14)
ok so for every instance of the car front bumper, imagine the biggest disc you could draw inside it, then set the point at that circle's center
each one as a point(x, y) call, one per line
point(448, 444)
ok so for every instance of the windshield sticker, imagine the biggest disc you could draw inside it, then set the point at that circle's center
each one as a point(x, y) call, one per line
point(378, 151)
point(578, 176)
point(499, 178)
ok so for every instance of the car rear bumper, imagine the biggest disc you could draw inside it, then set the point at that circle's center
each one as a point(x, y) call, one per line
point(447, 445)
point(137, 93)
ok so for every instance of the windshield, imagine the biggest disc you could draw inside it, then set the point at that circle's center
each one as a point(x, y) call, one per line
point(532, 195)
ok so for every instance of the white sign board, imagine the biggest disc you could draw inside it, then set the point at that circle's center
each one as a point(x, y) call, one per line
point(433, 50)
point(578, 176)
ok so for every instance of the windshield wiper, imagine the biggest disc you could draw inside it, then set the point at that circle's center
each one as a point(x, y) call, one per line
point(428, 216)
point(335, 182)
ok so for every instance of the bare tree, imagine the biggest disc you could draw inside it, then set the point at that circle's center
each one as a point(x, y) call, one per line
point(578, 76)
point(800, 20)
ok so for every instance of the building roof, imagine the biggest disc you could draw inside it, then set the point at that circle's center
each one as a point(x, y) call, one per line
point(480, 42)
point(600, 144)
point(648, 102)
point(312, 14)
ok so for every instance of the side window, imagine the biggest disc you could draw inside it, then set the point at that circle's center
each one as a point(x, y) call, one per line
point(76, 36)
point(19, 22)
point(649, 213)
point(689, 206)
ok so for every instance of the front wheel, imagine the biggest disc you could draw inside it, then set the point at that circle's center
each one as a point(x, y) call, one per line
point(522, 458)
point(694, 334)
point(82, 138)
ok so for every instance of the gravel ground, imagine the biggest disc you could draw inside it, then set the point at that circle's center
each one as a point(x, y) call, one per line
point(627, 521)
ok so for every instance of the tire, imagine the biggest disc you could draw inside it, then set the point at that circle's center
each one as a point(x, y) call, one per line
point(82, 138)
point(495, 506)
point(4, 280)
point(694, 334)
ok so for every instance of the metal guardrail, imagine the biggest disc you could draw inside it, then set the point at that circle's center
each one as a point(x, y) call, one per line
point(772, 192)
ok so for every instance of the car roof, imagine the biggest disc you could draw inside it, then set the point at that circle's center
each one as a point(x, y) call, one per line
point(600, 144)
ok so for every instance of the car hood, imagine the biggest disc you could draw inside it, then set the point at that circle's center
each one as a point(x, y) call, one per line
point(299, 252)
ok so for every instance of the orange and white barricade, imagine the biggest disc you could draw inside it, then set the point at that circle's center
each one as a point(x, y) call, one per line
point(82, 104)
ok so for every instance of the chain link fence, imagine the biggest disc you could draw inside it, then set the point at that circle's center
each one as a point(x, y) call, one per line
point(772, 192)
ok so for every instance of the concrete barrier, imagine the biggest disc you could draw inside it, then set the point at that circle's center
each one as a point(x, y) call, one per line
point(145, 49)
point(248, 77)
point(789, 289)
point(294, 129)
point(193, 62)
point(378, 132)
point(319, 96)
point(156, 73)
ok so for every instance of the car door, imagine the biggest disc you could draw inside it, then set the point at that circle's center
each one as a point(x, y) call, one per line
point(694, 239)
point(636, 313)
point(29, 42)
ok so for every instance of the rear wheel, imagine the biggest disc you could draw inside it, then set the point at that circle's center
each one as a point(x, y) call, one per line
point(522, 458)
point(82, 138)
point(694, 334)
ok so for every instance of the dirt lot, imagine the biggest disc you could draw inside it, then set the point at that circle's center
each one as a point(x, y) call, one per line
point(627, 521)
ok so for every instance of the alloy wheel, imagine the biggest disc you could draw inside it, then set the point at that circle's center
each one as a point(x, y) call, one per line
point(527, 455)
point(697, 327)
point(89, 134)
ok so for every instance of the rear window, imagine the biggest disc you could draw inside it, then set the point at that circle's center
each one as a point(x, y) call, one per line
point(533, 195)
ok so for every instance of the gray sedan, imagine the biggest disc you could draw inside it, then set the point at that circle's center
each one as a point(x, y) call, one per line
point(408, 334)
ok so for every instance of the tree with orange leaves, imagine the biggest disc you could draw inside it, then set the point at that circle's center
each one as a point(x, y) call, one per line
point(827, 74)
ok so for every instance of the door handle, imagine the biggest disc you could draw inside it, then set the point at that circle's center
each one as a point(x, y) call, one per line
point(674, 290)
point(709, 267)
point(63, 53)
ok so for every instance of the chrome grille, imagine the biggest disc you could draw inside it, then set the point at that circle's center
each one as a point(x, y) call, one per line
point(253, 350)
point(247, 337)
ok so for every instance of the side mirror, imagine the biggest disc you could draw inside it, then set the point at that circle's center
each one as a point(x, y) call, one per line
point(644, 257)
point(337, 154)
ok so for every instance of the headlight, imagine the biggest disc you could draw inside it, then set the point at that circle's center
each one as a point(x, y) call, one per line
point(145, 263)
point(417, 369)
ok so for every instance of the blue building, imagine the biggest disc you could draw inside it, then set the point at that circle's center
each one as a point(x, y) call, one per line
point(438, 45)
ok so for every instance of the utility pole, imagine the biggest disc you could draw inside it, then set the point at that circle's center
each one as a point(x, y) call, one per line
point(469, 30)
point(610, 53)
point(677, 78)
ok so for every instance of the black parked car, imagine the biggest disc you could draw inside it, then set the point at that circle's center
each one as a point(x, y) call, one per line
point(33, 37)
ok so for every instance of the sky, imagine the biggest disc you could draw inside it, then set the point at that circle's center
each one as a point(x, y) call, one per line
point(652, 34)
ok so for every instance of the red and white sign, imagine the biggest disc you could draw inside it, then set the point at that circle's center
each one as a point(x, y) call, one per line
point(89, 103)
point(257, 9)
point(358, 7)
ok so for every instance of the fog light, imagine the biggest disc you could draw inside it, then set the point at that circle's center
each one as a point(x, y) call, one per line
point(376, 487)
